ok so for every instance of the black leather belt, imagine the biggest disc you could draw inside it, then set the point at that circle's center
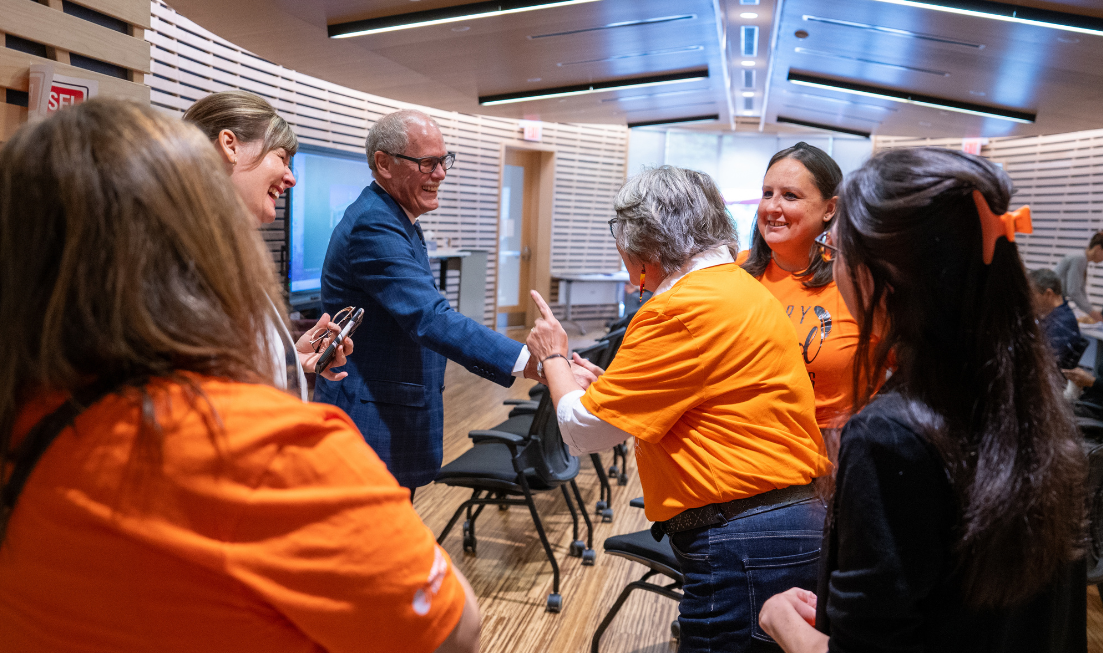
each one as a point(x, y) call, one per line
point(721, 513)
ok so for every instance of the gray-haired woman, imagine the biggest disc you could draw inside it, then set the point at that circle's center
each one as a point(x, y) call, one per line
point(712, 386)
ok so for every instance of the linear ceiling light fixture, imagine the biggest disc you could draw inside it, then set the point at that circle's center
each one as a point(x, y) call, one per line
point(823, 54)
point(816, 125)
point(595, 87)
point(652, 53)
point(892, 30)
point(625, 23)
point(1011, 13)
point(672, 121)
point(442, 16)
point(911, 98)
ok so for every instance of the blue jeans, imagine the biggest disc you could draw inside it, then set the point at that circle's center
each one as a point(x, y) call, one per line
point(732, 568)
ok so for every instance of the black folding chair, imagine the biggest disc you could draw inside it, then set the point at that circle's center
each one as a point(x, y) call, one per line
point(502, 466)
point(659, 559)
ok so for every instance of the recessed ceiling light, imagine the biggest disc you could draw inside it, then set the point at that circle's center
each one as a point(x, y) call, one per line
point(748, 94)
point(651, 53)
point(1014, 14)
point(461, 28)
point(535, 79)
point(627, 23)
point(978, 93)
point(440, 16)
point(749, 15)
point(924, 123)
point(747, 63)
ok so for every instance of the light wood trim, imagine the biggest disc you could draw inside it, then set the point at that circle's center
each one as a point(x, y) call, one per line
point(15, 67)
point(136, 13)
point(11, 117)
point(42, 24)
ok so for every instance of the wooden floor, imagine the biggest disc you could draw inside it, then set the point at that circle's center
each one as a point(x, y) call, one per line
point(511, 575)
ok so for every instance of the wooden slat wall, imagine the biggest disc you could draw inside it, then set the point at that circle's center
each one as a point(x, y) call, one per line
point(1061, 177)
point(189, 62)
point(46, 24)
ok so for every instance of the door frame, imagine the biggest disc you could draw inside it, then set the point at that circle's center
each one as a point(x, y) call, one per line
point(541, 229)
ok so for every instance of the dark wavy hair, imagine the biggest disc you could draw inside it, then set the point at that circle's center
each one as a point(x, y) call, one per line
point(970, 361)
point(827, 176)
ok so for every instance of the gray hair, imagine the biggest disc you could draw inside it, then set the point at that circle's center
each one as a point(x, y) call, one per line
point(390, 133)
point(1045, 279)
point(668, 215)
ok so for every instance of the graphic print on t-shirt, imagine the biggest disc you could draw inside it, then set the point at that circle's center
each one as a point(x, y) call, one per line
point(813, 327)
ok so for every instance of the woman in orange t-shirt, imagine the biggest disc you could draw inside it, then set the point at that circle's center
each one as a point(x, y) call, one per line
point(159, 493)
point(798, 205)
point(712, 386)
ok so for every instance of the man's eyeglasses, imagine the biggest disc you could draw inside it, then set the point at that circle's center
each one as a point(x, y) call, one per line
point(828, 251)
point(613, 225)
point(342, 318)
point(427, 164)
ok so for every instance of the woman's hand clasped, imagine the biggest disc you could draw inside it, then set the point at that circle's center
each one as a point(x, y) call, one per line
point(308, 358)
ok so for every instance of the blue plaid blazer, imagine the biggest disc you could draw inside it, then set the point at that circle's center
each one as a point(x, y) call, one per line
point(377, 260)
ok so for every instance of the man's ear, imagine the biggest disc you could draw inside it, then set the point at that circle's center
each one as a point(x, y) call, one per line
point(382, 164)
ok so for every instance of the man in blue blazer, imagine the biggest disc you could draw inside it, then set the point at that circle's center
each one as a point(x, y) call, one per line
point(377, 260)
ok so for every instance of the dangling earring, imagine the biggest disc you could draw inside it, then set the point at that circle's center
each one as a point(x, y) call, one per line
point(641, 284)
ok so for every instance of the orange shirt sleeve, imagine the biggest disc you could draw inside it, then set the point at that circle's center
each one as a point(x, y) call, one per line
point(655, 378)
point(331, 541)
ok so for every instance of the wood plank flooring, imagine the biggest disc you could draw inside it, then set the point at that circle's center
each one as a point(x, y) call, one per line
point(511, 575)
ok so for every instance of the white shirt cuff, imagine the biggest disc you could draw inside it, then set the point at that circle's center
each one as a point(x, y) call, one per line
point(582, 431)
point(522, 361)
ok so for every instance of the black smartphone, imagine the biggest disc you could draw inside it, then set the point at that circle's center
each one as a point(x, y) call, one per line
point(331, 350)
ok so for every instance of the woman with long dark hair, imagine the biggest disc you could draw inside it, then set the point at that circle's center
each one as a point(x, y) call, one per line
point(957, 509)
point(798, 205)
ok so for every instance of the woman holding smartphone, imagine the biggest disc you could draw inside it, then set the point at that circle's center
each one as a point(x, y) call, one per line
point(256, 146)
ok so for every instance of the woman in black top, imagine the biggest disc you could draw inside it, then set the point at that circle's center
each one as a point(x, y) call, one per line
point(957, 511)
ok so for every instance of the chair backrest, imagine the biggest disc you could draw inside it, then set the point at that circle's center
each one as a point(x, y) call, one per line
point(613, 339)
point(545, 451)
point(595, 353)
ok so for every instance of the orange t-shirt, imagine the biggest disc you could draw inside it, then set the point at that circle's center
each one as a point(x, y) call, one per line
point(710, 382)
point(828, 337)
point(283, 532)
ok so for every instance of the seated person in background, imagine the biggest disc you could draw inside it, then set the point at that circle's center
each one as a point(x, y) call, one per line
point(1058, 322)
point(1073, 273)
point(710, 381)
point(182, 502)
point(956, 520)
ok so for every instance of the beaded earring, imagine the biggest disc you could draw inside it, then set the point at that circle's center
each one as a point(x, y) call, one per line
point(641, 285)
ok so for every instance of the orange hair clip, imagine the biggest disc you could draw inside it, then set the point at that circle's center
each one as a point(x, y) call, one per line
point(993, 226)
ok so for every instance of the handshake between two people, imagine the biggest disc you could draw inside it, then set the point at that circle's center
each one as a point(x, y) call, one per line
point(548, 341)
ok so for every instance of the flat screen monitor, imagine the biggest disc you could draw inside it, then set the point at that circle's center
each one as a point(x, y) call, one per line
point(326, 182)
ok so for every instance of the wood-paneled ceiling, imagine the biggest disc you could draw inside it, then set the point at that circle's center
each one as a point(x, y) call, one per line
point(1054, 74)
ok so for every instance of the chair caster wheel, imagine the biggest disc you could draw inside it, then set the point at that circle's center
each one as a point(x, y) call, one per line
point(555, 603)
point(614, 470)
point(622, 479)
point(588, 558)
point(469, 543)
point(675, 630)
point(607, 515)
point(577, 547)
point(503, 507)
point(601, 505)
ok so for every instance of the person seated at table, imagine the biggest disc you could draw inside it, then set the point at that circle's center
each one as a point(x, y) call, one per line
point(956, 522)
point(159, 492)
point(1055, 317)
point(710, 382)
